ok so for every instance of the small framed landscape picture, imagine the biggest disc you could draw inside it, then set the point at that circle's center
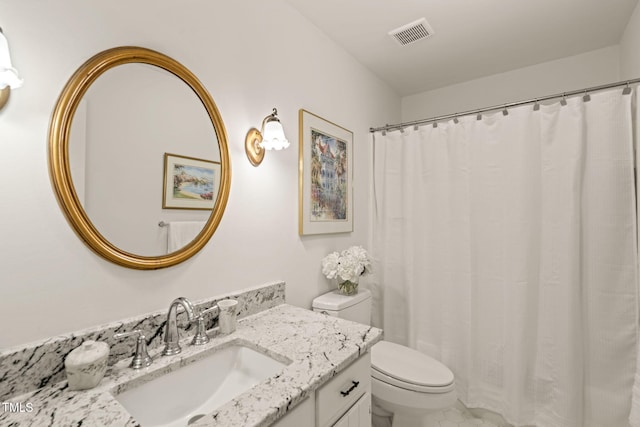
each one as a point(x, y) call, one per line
point(190, 183)
point(325, 176)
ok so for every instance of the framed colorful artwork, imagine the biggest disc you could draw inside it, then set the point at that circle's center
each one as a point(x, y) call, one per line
point(325, 177)
point(190, 183)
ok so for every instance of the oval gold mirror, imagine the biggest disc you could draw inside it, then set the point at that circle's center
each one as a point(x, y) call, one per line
point(126, 126)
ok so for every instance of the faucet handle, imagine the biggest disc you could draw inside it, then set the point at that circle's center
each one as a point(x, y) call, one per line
point(141, 358)
point(201, 337)
point(214, 308)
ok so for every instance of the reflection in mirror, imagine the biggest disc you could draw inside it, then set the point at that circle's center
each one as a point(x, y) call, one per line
point(118, 117)
point(128, 119)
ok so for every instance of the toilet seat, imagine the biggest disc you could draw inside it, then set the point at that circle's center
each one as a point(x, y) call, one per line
point(409, 369)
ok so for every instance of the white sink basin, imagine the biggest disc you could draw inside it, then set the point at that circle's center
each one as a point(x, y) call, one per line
point(184, 395)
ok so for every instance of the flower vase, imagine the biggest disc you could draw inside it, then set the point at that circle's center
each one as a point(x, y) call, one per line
point(348, 287)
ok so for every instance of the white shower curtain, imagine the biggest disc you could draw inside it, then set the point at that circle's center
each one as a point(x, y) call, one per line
point(506, 248)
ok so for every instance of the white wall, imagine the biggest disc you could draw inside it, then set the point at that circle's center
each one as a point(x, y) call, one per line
point(630, 48)
point(576, 72)
point(252, 55)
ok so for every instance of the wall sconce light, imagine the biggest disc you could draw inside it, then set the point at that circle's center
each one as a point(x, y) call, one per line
point(9, 78)
point(269, 137)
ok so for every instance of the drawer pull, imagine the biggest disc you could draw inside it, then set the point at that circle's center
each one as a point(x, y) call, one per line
point(353, 386)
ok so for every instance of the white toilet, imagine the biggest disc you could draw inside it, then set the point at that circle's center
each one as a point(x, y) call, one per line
point(405, 383)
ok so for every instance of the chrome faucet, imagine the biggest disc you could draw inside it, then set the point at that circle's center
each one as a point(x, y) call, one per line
point(171, 335)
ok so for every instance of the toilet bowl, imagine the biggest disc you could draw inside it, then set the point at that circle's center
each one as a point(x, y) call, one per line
point(409, 384)
point(405, 384)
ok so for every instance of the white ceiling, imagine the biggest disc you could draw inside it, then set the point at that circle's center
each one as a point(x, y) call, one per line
point(473, 38)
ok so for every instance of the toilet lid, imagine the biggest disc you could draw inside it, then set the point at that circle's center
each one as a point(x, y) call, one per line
point(408, 368)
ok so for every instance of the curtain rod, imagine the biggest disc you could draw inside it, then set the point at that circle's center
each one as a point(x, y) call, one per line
point(504, 106)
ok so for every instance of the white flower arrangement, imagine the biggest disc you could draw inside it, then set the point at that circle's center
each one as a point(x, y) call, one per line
point(347, 265)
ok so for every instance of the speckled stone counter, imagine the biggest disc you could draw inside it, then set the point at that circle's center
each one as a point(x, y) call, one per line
point(39, 364)
point(317, 346)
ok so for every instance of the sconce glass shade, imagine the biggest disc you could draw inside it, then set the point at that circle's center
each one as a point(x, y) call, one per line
point(269, 137)
point(273, 135)
point(8, 75)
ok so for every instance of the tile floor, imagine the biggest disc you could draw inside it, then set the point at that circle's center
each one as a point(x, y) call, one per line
point(458, 416)
point(455, 417)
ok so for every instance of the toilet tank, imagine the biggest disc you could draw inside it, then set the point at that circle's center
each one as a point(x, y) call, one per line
point(351, 307)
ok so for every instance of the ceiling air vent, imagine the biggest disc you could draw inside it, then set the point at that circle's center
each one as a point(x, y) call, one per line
point(412, 32)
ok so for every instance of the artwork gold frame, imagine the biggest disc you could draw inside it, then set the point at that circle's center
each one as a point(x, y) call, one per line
point(325, 177)
point(190, 183)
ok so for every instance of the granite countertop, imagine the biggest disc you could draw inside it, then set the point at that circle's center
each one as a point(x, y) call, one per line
point(318, 347)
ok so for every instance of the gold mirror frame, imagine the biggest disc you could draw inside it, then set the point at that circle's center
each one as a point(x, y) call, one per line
point(59, 164)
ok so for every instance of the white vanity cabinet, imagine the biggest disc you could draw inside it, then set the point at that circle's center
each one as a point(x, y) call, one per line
point(344, 401)
point(359, 415)
point(335, 399)
point(302, 415)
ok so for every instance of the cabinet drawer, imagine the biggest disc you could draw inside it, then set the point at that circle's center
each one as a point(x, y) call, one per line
point(359, 415)
point(335, 397)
